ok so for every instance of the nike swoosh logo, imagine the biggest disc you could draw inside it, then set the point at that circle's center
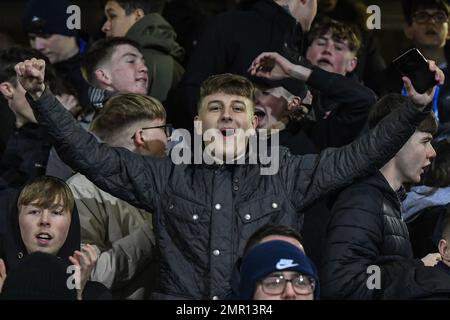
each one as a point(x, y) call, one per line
point(285, 264)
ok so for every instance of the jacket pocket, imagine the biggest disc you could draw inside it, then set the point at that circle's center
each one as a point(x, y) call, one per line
point(254, 210)
point(184, 210)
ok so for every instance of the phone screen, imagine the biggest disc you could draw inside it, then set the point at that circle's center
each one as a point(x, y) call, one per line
point(414, 65)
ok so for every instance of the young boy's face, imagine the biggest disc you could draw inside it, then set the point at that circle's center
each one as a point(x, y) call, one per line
point(127, 71)
point(55, 46)
point(330, 55)
point(414, 157)
point(44, 229)
point(429, 28)
point(287, 285)
point(229, 117)
point(117, 21)
point(444, 249)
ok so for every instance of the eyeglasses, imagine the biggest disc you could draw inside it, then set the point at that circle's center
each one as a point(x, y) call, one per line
point(423, 17)
point(273, 285)
point(168, 129)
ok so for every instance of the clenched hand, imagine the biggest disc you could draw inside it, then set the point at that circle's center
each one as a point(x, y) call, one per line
point(31, 74)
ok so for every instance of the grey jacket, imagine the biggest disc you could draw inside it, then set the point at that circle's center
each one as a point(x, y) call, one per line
point(203, 215)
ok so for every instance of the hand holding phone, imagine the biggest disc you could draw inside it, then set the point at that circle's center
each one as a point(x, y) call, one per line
point(413, 65)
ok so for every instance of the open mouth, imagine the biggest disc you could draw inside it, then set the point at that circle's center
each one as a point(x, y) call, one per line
point(227, 132)
point(44, 238)
point(431, 32)
point(261, 114)
point(324, 61)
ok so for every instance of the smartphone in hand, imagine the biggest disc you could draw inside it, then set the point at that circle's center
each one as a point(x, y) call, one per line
point(414, 65)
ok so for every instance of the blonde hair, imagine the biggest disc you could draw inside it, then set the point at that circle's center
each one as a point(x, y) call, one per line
point(123, 110)
point(44, 192)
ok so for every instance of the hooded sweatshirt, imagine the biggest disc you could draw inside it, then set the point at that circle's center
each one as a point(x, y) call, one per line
point(161, 52)
point(12, 248)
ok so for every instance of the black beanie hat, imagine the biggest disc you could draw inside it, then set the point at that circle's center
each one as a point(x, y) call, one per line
point(47, 17)
point(39, 276)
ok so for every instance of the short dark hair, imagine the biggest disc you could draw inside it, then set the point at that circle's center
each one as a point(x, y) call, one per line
point(339, 32)
point(271, 230)
point(100, 52)
point(393, 101)
point(410, 7)
point(148, 6)
point(438, 174)
point(12, 56)
point(227, 83)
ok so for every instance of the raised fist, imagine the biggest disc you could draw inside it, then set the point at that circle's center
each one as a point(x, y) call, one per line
point(31, 74)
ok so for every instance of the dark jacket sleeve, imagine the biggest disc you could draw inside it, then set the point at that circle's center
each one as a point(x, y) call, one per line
point(353, 241)
point(346, 121)
point(136, 179)
point(310, 177)
point(343, 90)
point(408, 279)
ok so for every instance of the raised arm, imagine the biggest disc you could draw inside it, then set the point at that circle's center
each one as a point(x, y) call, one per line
point(136, 179)
point(316, 176)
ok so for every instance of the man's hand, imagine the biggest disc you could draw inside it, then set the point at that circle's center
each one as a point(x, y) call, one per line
point(70, 102)
point(85, 260)
point(2, 274)
point(273, 66)
point(422, 100)
point(31, 74)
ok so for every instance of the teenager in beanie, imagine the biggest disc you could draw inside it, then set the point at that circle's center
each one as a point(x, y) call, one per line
point(45, 24)
point(278, 270)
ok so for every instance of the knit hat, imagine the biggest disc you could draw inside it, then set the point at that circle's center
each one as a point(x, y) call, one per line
point(39, 276)
point(269, 257)
point(47, 17)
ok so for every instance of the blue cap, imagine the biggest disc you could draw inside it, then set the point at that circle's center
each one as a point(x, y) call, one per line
point(47, 17)
point(273, 256)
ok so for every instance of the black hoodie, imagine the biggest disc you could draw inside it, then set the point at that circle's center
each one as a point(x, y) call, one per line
point(12, 248)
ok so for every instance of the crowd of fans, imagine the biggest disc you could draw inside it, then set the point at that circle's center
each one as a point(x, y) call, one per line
point(94, 206)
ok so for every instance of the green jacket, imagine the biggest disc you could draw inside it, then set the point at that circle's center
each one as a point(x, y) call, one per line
point(161, 52)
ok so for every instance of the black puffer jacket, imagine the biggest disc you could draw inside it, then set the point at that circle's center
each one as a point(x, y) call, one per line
point(365, 229)
point(203, 215)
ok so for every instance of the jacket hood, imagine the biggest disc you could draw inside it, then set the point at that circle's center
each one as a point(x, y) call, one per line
point(13, 247)
point(379, 181)
point(154, 32)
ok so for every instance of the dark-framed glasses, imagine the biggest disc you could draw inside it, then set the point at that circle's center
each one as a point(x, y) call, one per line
point(275, 284)
point(423, 17)
point(168, 129)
